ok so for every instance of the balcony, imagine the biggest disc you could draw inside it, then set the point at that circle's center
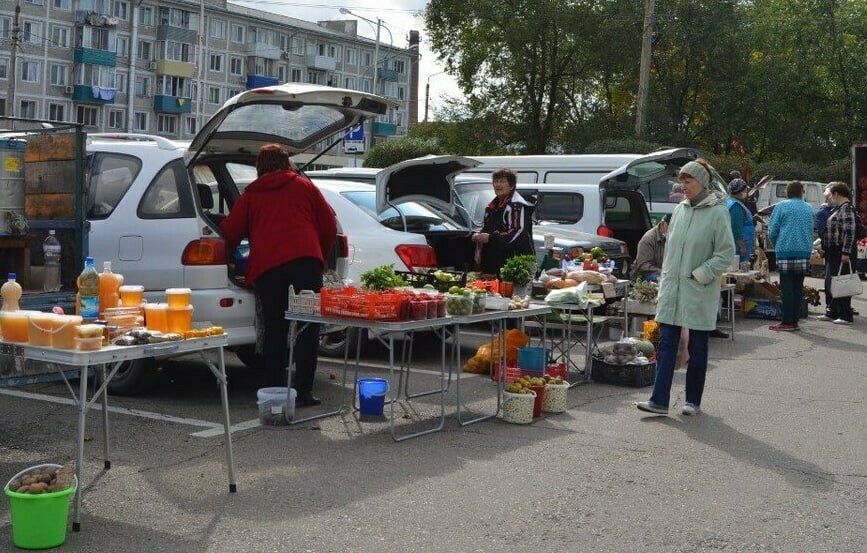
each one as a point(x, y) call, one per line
point(384, 129)
point(176, 68)
point(177, 34)
point(86, 94)
point(94, 19)
point(386, 74)
point(258, 81)
point(94, 56)
point(267, 51)
point(172, 104)
point(324, 63)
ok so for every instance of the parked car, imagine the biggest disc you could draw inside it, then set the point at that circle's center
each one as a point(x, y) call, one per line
point(154, 206)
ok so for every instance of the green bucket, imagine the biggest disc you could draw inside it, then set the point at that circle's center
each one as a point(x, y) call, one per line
point(39, 521)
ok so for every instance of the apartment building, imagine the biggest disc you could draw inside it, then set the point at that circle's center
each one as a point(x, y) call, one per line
point(164, 67)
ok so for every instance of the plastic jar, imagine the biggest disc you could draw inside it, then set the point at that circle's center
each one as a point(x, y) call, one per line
point(131, 295)
point(178, 297)
point(179, 319)
point(156, 316)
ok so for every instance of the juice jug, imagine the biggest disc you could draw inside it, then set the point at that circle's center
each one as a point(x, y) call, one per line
point(11, 292)
point(109, 285)
point(88, 292)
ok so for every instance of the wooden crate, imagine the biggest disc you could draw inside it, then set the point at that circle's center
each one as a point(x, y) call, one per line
point(50, 147)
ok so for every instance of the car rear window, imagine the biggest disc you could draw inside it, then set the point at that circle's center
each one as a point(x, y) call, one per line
point(408, 217)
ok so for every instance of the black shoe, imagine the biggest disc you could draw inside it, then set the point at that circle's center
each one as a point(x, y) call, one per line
point(718, 334)
point(307, 399)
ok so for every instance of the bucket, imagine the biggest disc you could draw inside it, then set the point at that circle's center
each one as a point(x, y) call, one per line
point(554, 398)
point(532, 359)
point(537, 402)
point(276, 406)
point(518, 408)
point(39, 521)
point(371, 395)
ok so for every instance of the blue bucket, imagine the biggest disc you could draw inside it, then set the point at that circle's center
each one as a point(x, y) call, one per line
point(532, 359)
point(371, 395)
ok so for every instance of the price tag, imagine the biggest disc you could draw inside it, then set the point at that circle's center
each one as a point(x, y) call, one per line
point(608, 290)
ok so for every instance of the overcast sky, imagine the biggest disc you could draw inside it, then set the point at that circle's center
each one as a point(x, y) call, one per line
point(399, 16)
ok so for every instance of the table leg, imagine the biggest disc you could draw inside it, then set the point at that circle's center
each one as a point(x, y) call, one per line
point(222, 379)
point(293, 333)
point(79, 462)
point(457, 358)
point(393, 397)
point(448, 383)
point(105, 432)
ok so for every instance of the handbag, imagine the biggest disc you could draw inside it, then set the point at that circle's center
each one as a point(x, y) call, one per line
point(843, 286)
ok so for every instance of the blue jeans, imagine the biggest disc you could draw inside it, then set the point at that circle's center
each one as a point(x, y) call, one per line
point(666, 356)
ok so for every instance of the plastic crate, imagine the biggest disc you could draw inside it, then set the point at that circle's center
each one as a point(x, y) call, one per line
point(420, 280)
point(491, 286)
point(557, 369)
point(637, 376)
point(306, 302)
point(353, 303)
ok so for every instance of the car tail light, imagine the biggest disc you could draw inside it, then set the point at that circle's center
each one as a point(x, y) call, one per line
point(416, 255)
point(602, 230)
point(207, 251)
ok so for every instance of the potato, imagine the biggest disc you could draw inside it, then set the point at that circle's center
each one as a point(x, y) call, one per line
point(22, 488)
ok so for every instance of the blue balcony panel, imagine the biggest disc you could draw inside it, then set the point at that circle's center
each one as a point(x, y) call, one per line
point(87, 94)
point(387, 74)
point(384, 129)
point(94, 56)
point(172, 104)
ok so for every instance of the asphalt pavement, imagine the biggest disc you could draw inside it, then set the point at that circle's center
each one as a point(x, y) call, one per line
point(776, 462)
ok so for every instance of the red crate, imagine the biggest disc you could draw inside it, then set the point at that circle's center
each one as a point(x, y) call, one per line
point(353, 303)
point(492, 286)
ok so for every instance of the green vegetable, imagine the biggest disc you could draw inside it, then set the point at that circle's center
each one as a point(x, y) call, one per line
point(381, 278)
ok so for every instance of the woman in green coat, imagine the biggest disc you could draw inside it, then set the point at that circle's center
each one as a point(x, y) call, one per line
point(699, 249)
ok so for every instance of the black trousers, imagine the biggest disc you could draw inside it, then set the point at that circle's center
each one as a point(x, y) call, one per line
point(838, 308)
point(272, 291)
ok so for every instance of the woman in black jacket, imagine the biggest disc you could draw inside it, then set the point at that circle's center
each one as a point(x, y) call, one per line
point(507, 229)
point(839, 243)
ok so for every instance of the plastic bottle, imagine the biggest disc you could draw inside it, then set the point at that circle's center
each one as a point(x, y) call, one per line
point(88, 292)
point(109, 283)
point(11, 293)
point(51, 265)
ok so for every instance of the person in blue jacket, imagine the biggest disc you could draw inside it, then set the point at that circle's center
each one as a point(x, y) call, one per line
point(743, 227)
point(791, 231)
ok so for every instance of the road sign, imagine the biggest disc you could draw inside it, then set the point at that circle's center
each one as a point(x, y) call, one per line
point(354, 134)
point(353, 147)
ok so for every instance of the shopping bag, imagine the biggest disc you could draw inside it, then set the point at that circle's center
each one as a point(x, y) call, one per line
point(843, 286)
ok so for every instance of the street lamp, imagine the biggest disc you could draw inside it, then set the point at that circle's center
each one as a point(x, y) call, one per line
point(427, 92)
point(379, 26)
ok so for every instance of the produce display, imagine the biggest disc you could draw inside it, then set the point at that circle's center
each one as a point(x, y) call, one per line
point(519, 303)
point(559, 278)
point(143, 336)
point(644, 292)
point(523, 384)
point(44, 480)
point(627, 351)
point(460, 303)
point(382, 278)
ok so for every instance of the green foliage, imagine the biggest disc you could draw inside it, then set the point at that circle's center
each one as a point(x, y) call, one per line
point(621, 145)
point(394, 151)
point(518, 269)
point(381, 278)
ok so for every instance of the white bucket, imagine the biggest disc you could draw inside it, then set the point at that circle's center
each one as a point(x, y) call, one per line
point(276, 406)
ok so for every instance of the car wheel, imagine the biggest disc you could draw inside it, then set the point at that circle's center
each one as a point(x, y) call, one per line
point(134, 378)
point(332, 341)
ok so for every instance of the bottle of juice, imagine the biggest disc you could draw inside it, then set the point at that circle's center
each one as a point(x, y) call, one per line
point(11, 292)
point(109, 284)
point(88, 292)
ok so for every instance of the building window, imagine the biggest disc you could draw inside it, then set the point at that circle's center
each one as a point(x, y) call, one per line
point(146, 16)
point(59, 36)
point(179, 18)
point(216, 62)
point(122, 46)
point(349, 82)
point(115, 119)
point(295, 75)
point(30, 71)
point(213, 95)
point(4, 68)
point(87, 116)
point(297, 46)
point(177, 51)
point(121, 10)
point(167, 124)
point(62, 5)
point(143, 50)
point(174, 86)
point(236, 66)
point(281, 73)
point(96, 37)
point(335, 52)
point(401, 93)
point(34, 2)
point(120, 80)
point(140, 121)
point(238, 33)
point(350, 56)
point(28, 109)
point(5, 27)
point(56, 112)
point(142, 86)
point(31, 32)
point(364, 85)
point(218, 29)
point(58, 74)
point(367, 59)
point(315, 77)
point(190, 125)
point(399, 66)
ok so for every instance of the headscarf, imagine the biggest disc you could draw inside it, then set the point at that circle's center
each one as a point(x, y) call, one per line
point(736, 186)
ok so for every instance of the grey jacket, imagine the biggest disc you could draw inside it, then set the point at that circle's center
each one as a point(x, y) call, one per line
point(651, 249)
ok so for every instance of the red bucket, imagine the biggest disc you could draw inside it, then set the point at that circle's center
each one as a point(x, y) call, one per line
point(537, 404)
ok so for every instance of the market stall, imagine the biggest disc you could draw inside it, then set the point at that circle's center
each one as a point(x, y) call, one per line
point(114, 356)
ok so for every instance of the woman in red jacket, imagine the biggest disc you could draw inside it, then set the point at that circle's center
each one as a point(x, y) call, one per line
point(291, 229)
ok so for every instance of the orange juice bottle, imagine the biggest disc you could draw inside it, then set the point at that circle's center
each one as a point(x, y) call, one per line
point(11, 293)
point(109, 285)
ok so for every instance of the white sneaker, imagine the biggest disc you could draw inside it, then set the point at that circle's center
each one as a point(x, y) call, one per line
point(824, 318)
point(842, 322)
point(690, 409)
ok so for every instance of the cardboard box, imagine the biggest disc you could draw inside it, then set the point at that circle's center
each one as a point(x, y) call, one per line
point(758, 308)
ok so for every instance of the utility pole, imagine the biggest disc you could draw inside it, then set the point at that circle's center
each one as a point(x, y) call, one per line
point(644, 71)
point(13, 54)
